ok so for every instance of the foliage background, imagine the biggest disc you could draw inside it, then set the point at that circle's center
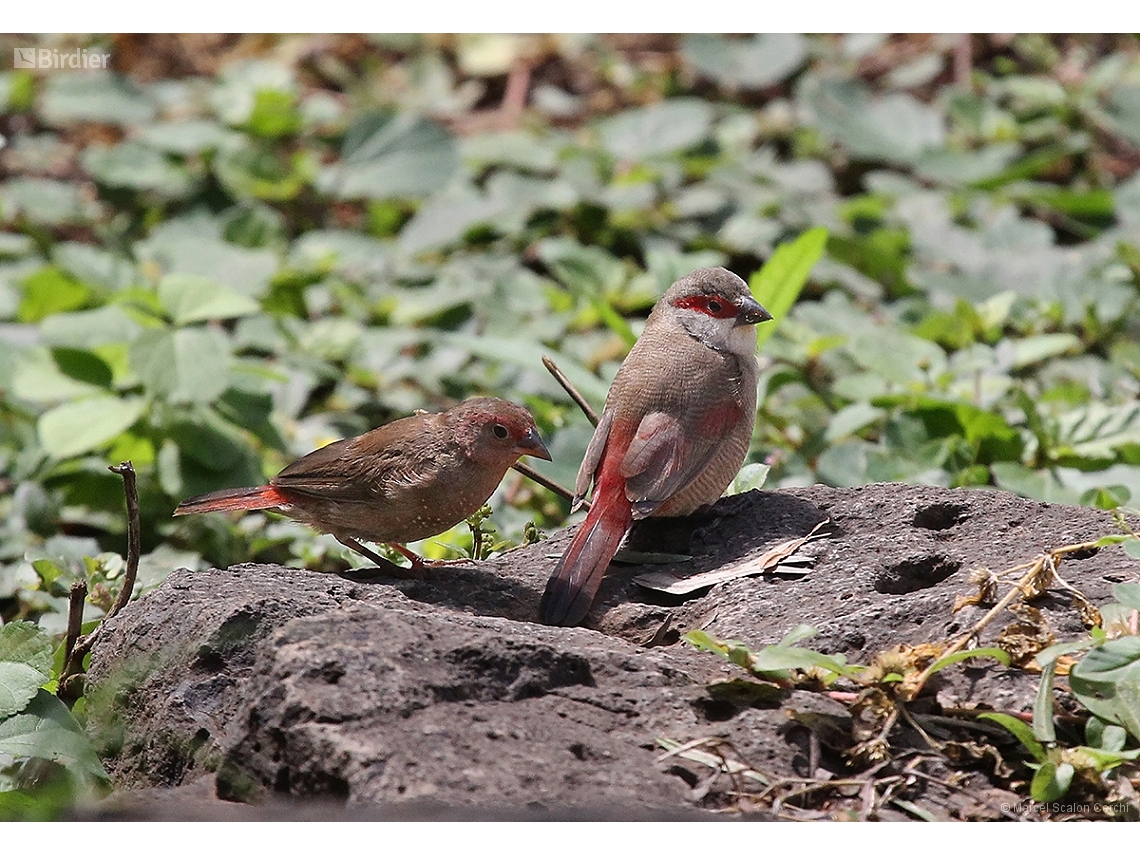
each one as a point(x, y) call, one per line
point(233, 249)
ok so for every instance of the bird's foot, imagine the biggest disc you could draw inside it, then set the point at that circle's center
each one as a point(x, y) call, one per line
point(384, 567)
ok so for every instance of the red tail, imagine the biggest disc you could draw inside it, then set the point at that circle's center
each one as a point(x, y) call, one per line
point(575, 581)
point(237, 499)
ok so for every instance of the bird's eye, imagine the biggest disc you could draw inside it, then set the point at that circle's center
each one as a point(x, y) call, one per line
point(499, 431)
point(715, 307)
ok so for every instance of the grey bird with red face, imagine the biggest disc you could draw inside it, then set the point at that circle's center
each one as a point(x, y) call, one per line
point(675, 429)
point(410, 479)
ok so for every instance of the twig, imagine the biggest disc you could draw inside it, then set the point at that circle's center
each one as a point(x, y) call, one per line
point(74, 627)
point(134, 545)
point(71, 678)
point(574, 394)
point(514, 98)
point(539, 478)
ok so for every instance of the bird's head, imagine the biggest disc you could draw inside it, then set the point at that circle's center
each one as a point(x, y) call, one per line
point(715, 307)
point(496, 432)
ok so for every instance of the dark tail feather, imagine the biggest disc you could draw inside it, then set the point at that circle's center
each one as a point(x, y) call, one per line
point(237, 499)
point(579, 573)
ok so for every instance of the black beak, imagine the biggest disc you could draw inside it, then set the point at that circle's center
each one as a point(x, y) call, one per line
point(533, 445)
point(751, 312)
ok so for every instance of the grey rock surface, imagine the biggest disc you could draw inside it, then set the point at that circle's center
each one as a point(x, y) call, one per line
point(391, 693)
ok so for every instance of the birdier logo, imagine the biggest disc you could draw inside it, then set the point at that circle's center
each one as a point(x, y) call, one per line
point(51, 58)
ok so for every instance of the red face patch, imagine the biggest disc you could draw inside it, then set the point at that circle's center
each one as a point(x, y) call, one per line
point(714, 307)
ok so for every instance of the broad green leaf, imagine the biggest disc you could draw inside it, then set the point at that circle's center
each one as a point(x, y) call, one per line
point(84, 425)
point(47, 201)
point(754, 62)
point(751, 477)
point(386, 157)
point(1128, 594)
point(1038, 348)
point(132, 166)
point(89, 329)
point(798, 633)
point(46, 729)
point(86, 97)
point(895, 128)
point(191, 136)
point(773, 658)
point(661, 128)
point(195, 247)
point(190, 299)
point(25, 664)
point(1107, 681)
point(778, 283)
point(529, 355)
point(183, 365)
point(1041, 485)
point(1098, 430)
point(48, 291)
point(1051, 781)
point(1104, 736)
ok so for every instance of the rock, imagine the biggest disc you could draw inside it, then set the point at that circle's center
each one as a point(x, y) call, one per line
point(393, 693)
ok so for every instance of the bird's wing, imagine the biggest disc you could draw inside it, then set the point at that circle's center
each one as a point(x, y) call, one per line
point(352, 470)
point(593, 457)
point(667, 453)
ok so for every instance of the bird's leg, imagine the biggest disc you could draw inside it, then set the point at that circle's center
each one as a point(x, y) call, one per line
point(413, 572)
point(421, 564)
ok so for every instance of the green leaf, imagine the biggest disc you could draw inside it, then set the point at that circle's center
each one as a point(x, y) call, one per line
point(529, 355)
point(1104, 736)
point(190, 299)
point(756, 62)
point(1128, 594)
point(778, 283)
point(751, 477)
point(1051, 781)
point(84, 425)
point(962, 655)
point(46, 729)
point(798, 633)
point(133, 166)
point(46, 201)
point(183, 365)
point(387, 156)
point(25, 664)
point(661, 128)
point(1019, 729)
point(93, 97)
point(48, 291)
point(774, 658)
point(1107, 681)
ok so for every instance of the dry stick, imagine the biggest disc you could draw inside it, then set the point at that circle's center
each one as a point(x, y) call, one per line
point(574, 394)
point(539, 478)
point(71, 678)
point(74, 626)
point(134, 545)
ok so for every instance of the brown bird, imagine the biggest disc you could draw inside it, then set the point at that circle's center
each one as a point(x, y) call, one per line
point(410, 479)
point(675, 429)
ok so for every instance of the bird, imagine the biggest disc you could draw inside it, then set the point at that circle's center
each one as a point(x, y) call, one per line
point(409, 479)
point(674, 431)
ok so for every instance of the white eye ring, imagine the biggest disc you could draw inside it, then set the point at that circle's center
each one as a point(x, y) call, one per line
point(499, 431)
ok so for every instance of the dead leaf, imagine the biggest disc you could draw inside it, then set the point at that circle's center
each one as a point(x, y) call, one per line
point(667, 583)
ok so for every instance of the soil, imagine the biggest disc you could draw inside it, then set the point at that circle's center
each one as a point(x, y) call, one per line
point(442, 696)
